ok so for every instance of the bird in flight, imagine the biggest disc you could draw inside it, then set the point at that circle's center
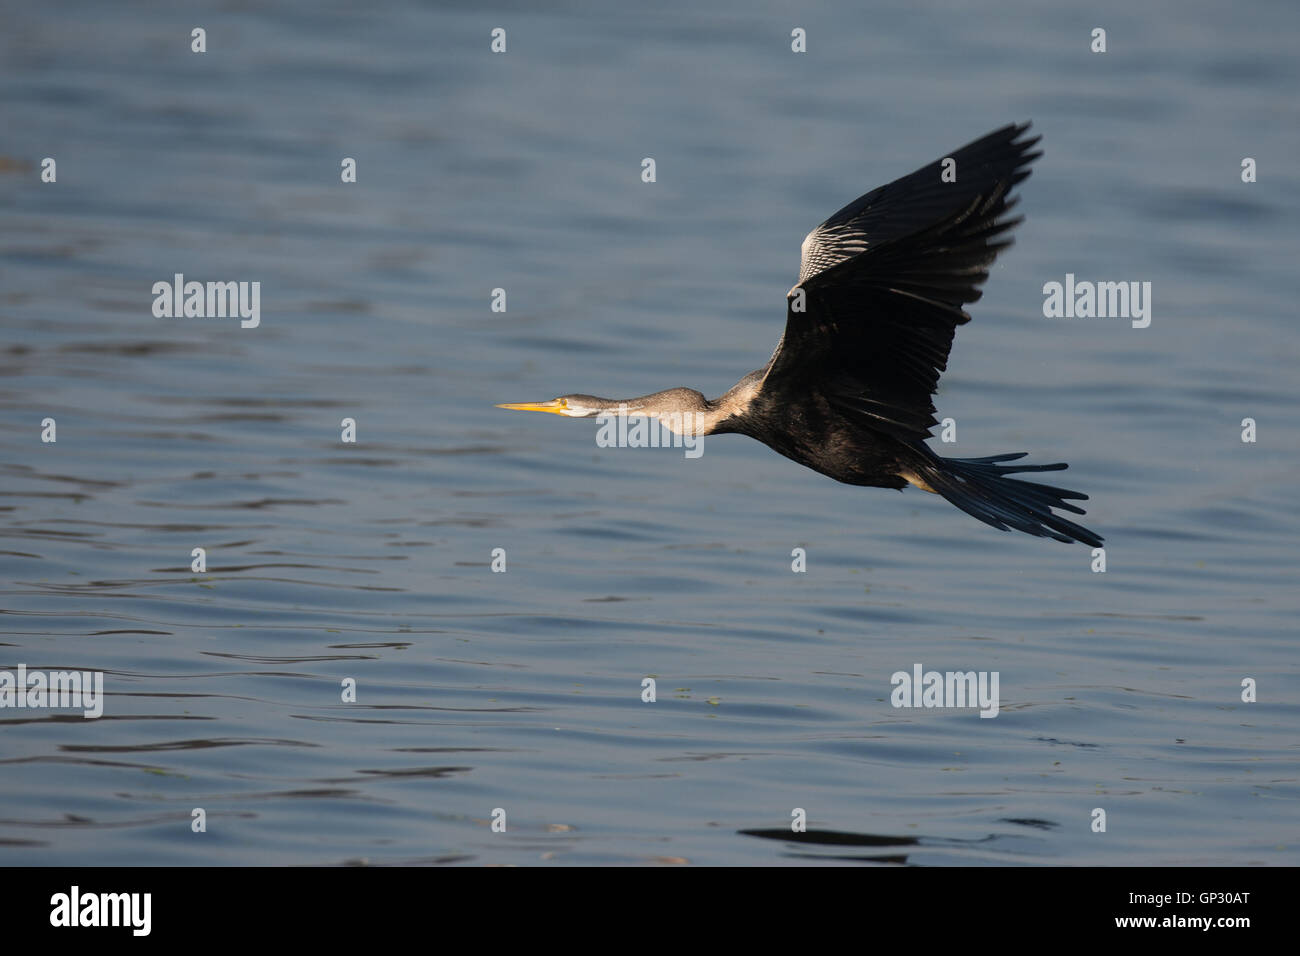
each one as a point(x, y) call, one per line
point(868, 329)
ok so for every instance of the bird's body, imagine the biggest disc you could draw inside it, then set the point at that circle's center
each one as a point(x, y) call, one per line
point(869, 326)
point(817, 434)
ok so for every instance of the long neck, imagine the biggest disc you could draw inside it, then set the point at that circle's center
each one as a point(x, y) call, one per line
point(685, 411)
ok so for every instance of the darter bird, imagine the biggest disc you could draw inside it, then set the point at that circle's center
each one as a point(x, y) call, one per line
point(867, 332)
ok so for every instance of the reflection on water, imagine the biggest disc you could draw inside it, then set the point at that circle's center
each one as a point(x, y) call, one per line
point(369, 565)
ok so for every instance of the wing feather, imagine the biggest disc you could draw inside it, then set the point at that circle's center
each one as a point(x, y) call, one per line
point(883, 282)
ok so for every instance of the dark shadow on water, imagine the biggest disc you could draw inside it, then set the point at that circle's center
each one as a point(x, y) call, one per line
point(843, 838)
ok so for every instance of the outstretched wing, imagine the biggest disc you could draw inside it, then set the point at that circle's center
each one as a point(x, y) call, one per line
point(883, 282)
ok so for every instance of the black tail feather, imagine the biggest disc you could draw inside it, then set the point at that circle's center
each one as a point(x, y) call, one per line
point(980, 487)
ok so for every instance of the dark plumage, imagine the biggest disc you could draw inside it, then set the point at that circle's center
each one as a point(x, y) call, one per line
point(881, 290)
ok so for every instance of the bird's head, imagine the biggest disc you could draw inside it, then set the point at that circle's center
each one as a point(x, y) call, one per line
point(681, 410)
point(574, 406)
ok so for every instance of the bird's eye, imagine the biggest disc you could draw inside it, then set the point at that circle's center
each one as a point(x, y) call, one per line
point(564, 403)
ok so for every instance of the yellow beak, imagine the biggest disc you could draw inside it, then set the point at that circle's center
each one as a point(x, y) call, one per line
point(556, 406)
